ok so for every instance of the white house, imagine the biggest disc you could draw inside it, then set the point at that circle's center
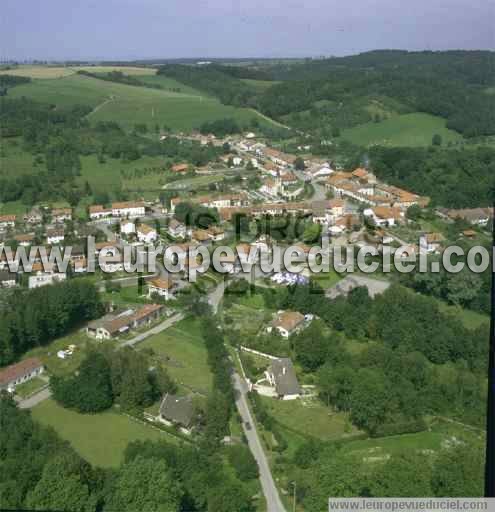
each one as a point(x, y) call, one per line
point(21, 372)
point(54, 236)
point(146, 234)
point(163, 287)
point(97, 212)
point(128, 209)
point(384, 216)
point(127, 227)
point(46, 278)
point(60, 215)
point(7, 221)
point(431, 242)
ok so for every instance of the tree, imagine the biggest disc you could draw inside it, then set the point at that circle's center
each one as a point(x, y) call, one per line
point(148, 485)
point(436, 140)
point(229, 497)
point(65, 484)
point(242, 460)
point(414, 212)
point(299, 164)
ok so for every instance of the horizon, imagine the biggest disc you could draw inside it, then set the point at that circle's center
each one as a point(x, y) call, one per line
point(270, 30)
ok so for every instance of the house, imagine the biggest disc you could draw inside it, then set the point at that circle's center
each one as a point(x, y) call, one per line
point(146, 234)
point(61, 215)
point(128, 209)
point(54, 236)
point(384, 216)
point(7, 221)
point(282, 376)
point(180, 168)
point(234, 159)
point(476, 216)
point(146, 315)
point(201, 236)
point(127, 227)
point(431, 242)
point(7, 279)
point(97, 212)
point(271, 187)
point(80, 266)
point(216, 234)
point(287, 323)
point(164, 287)
point(45, 278)
point(25, 240)
point(177, 410)
point(21, 372)
point(34, 216)
point(176, 229)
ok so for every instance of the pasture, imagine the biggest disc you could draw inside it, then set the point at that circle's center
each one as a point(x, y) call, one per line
point(404, 130)
point(102, 438)
point(129, 105)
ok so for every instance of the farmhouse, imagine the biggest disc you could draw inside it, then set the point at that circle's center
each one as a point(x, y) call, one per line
point(282, 376)
point(97, 211)
point(177, 410)
point(128, 209)
point(164, 287)
point(287, 323)
point(384, 216)
point(19, 373)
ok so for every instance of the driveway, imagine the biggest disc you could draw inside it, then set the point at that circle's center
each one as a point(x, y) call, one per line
point(273, 501)
point(154, 330)
point(35, 399)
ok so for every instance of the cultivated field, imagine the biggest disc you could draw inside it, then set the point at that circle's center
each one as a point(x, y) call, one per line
point(405, 130)
point(129, 105)
point(99, 438)
point(50, 72)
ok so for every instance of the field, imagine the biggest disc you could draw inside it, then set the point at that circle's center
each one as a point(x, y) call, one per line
point(51, 72)
point(129, 105)
point(404, 130)
point(182, 351)
point(99, 438)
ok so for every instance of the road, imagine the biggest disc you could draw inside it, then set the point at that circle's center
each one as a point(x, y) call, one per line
point(154, 330)
point(273, 501)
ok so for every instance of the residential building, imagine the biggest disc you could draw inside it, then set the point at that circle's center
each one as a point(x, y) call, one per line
point(7, 221)
point(127, 227)
point(180, 168)
point(282, 375)
point(60, 215)
point(21, 372)
point(431, 242)
point(146, 234)
point(55, 236)
point(7, 279)
point(128, 209)
point(177, 410)
point(34, 216)
point(176, 229)
point(384, 216)
point(25, 240)
point(287, 323)
point(164, 287)
point(97, 212)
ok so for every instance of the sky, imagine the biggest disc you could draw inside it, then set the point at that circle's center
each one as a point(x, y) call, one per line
point(139, 29)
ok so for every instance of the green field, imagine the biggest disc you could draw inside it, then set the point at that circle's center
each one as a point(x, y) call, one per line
point(404, 130)
point(184, 355)
point(51, 72)
point(99, 438)
point(129, 105)
point(311, 417)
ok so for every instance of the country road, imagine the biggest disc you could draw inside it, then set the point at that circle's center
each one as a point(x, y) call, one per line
point(273, 501)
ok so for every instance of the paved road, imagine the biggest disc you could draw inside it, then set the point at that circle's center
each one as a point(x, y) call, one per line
point(35, 399)
point(273, 501)
point(154, 330)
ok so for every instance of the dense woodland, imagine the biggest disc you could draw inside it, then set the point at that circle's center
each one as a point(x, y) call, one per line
point(32, 318)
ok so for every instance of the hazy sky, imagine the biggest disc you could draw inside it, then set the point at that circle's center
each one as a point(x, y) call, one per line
point(124, 29)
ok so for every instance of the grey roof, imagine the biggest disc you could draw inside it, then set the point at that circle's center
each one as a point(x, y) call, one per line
point(178, 409)
point(5, 275)
point(285, 377)
point(346, 285)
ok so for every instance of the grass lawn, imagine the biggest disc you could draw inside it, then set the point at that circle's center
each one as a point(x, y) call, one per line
point(471, 319)
point(311, 417)
point(193, 183)
point(129, 104)
point(99, 438)
point(184, 355)
point(326, 279)
point(404, 130)
point(29, 387)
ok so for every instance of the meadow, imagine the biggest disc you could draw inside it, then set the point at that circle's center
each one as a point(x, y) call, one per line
point(413, 130)
point(102, 438)
point(129, 105)
point(182, 351)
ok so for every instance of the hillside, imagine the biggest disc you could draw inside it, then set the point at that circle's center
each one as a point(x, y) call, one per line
point(129, 105)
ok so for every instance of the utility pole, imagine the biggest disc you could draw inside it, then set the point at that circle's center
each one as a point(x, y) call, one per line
point(490, 410)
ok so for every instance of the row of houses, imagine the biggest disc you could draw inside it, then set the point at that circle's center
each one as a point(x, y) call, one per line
point(130, 209)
